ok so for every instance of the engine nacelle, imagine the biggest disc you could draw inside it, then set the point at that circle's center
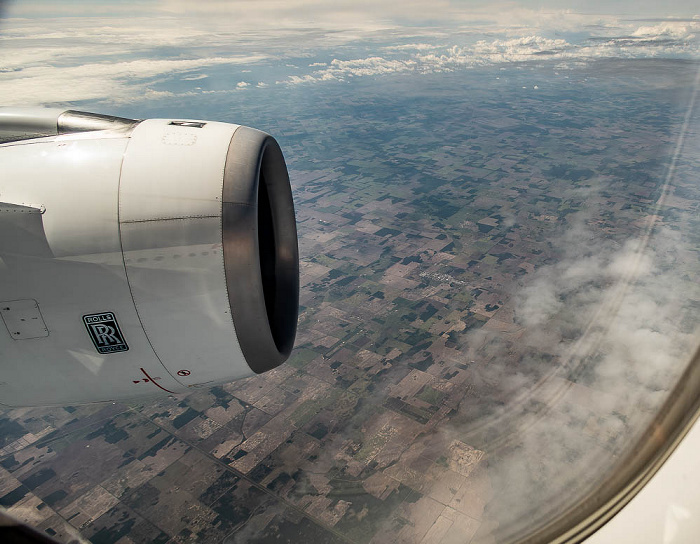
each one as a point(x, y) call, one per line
point(139, 258)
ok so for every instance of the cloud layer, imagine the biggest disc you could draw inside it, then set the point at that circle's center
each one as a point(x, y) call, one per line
point(663, 40)
point(114, 59)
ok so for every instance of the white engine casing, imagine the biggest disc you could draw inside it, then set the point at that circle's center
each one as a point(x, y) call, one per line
point(160, 225)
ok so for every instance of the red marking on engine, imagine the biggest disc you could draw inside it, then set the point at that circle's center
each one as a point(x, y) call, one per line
point(153, 381)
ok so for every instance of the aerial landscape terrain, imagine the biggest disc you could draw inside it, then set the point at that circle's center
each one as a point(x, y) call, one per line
point(499, 285)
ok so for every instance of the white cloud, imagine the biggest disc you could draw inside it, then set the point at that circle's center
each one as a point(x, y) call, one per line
point(195, 77)
point(410, 47)
point(664, 39)
point(59, 60)
point(516, 49)
point(117, 82)
point(609, 315)
point(370, 66)
point(669, 29)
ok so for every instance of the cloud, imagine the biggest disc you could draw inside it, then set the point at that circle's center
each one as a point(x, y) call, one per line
point(669, 29)
point(196, 77)
point(664, 39)
point(341, 15)
point(117, 82)
point(59, 60)
point(603, 345)
point(410, 47)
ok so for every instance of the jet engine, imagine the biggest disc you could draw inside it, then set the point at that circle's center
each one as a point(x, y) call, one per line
point(140, 257)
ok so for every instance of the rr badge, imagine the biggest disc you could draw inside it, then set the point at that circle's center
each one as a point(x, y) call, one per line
point(105, 332)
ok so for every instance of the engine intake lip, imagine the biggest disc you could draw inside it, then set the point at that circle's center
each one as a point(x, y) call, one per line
point(261, 257)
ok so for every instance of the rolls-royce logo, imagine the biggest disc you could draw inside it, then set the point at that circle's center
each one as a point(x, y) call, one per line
point(105, 332)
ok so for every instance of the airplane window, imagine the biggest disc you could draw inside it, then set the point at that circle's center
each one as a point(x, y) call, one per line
point(497, 209)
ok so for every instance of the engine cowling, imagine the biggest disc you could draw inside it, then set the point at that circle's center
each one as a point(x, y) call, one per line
point(141, 257)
